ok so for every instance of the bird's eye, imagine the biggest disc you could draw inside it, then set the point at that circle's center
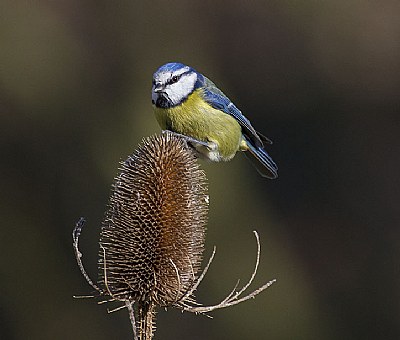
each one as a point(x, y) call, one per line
point(174, 79)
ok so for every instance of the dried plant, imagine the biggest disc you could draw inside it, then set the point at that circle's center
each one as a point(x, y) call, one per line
point(152, 237)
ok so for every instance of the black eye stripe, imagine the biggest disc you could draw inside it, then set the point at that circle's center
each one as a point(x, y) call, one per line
point(176, 78)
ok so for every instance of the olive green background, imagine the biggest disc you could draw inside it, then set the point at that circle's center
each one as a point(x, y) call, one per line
point(320, 78)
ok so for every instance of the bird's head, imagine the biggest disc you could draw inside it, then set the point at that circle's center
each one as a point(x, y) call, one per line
point(172, 84)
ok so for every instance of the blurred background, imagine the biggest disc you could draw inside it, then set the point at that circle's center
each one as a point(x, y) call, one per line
point(320, 78)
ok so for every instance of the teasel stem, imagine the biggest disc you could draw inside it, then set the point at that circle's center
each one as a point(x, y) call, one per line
point(131, 311)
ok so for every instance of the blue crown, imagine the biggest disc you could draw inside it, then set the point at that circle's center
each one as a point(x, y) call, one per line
point(171, 67)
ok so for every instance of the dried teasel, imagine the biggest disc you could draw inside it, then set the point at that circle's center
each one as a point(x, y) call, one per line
point(152, 237)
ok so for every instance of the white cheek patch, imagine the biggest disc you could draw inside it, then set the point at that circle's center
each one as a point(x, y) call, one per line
point(181, 89)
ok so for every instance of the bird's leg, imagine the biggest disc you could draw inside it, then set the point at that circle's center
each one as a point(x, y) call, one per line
point(208, 145)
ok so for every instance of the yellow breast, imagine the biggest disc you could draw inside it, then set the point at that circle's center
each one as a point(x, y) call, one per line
point(199, 120)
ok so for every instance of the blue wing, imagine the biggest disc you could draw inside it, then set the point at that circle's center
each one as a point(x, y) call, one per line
point(255, 141)
point(218, 100)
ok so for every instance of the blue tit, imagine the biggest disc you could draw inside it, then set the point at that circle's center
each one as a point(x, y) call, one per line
point(189, 104)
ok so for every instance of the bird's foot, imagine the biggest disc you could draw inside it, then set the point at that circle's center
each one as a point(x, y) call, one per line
point(193, 141)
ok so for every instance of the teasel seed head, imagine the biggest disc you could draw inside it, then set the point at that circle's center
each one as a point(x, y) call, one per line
point(152, 237)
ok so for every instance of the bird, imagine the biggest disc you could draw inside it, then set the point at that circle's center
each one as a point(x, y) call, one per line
point(190, 105)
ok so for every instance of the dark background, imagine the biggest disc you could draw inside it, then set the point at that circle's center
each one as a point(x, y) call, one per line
point(320, 78)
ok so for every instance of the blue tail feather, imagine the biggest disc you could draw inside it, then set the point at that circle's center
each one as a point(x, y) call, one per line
point(262, 161)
